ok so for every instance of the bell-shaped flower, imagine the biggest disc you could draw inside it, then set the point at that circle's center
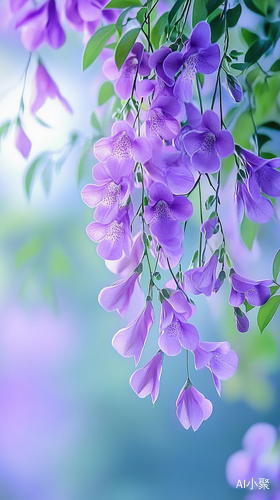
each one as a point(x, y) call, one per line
point(257, 207)
point(208, 227)
point(256, 293)
point(202, 279)
point(174, 257)
point(86, 15)
point(198, 55)
point(108, 197)
point(241, 320)
point(161, 123)
point(167, 167)
point(145, 381)
point(192, 407)
point(130, 341)
point(175, 331)
point(43, 88)
point(113, 239)
point(219, 358)
point(41, 25)
point(164, 214)
point(207, 146)
point(22, 142)
point(127, 263)
point(119, 152)
point(117, 297)
point(156, 61)
point(262, 174)
point(137, 60)
point(234, 88)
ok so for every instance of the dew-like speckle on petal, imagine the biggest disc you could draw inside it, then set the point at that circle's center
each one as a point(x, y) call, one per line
point(208, 143)
point(174, 329)
point(115, 232)
point(162, 211)
point(122, 146)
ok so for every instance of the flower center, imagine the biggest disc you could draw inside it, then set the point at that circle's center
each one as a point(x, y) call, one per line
point(162, 211)
point(174, 329)
point(208, 143)
point(157, 123)
point(115, 232)
point(122, 146)
point(112, 194)
point(130, 67)
point(190, 68)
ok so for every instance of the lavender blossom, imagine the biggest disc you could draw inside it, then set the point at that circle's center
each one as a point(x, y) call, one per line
point(257, 208)
point(43, 88)
point(241, 320)
point(130, 341)
point(208, 227)
point(219, 358)
point(117, 297)
point(119, 152)
point(22, 142)
point(208, 145)
point(41, 25)
point(192, 407)
point(87, 14)
point(113, 238)
point(145, 381)
point(137, 61)
point(256, 293)
point(202, 279)
point(164, 214)
point(16, 5)
point(175, 331)
point(160, 123)
point(198, 55)
point(127, 263)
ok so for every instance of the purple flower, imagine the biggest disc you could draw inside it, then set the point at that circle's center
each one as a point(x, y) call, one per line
point(164, 214)
point(234, 88)
point(208, 145)
point(41, 25)
point(209, 226)
point(22, 142)
point(146, 380)
point(161, 124)
point(174, 257)
point(130, 341)
point(17, 5)
point(117, 297)
point(257, 208)
point(192, 407)
point(87, 14)
point(198, 55)
point(137, 60)
point(126, 264)
point(241, 320)
point(168, 167)
point(43, 88)
point(256, 459)
point(256, 293)
point(202, 279)
point(108, 197)
point(120, 151)
point(175, 331)
point(219, 358)
point(156, 61)
point(262, 174)
point(113, 238)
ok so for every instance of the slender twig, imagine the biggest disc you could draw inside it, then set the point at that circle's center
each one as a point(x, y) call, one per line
point(201, 221)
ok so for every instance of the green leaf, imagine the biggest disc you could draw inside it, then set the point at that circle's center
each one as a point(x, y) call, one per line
point(120, 20)
point(251, 6)
point(209, 202)
point(158, 29)
point(140, 16)
point(174, 10)
point(217, 25)
point(5, 128)
point(105, 93)
point(272, 124)
point(95, 122)
point(96, 43)
point(31, 172)
point(274, 289)
point(257, 50)
point(28, 251)
point(267, 311)
point(240, 66)
point(122, 4)
point(274, 32)
point(47, 178)
point(248, 231)
point(83, 161)
point(276, 266)
point(233, 16)
point(249, 36)
point(212, 5)
point(248, 306)
point(125, 45)
point(262, 140)
point(200, 12)
point(275, 66)
point(235, 54)
point(41, 122)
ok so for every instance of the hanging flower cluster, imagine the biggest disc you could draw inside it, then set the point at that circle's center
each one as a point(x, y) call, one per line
point(162, 147)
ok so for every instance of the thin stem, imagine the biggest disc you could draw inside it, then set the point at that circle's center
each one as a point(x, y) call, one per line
point(254, 123)
point(21, 105)
point(199, 94)
point(201, 220)
point(196, 183)
point(187, 364)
